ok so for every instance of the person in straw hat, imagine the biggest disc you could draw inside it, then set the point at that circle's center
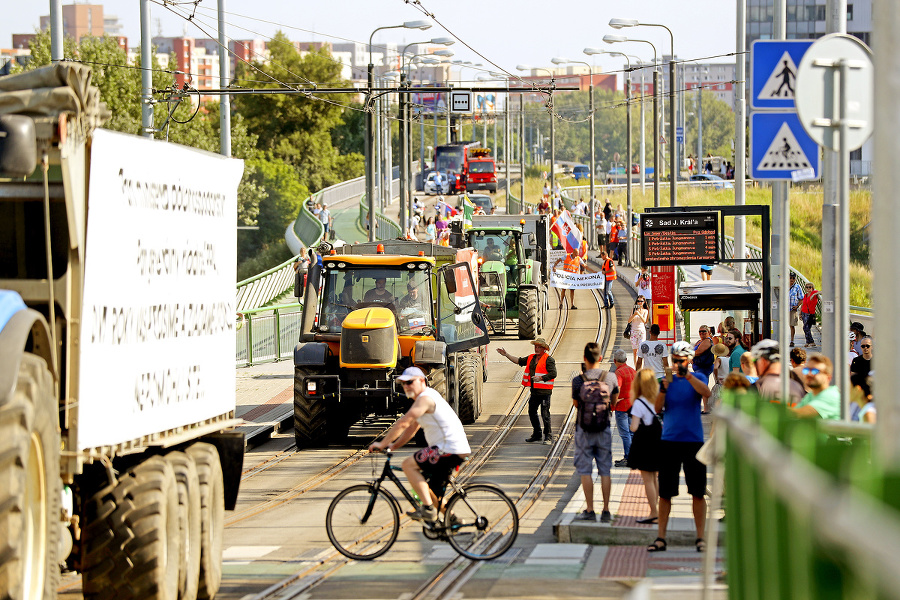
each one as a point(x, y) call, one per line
point(540, 371)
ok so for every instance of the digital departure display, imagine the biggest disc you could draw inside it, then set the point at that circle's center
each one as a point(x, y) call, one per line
point(679, 238)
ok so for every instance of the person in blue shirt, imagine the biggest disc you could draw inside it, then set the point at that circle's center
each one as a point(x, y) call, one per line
point(681, 395)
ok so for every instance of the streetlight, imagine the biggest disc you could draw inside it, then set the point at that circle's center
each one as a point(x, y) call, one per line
point(593, 199)
point(552, 128)
point(673, 147)
point(404, 125)
point(370, 138)
point(612, 39)
point(640, 64)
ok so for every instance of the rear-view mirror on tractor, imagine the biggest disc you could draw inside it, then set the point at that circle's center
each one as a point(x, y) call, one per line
point(449, 281)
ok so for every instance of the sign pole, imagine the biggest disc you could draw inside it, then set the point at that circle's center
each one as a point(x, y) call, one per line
point(842, 304)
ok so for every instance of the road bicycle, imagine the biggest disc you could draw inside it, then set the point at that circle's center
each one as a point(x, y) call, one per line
point(478, 520)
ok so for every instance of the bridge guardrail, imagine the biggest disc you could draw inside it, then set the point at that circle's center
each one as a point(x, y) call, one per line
point(267, 334)
point(812, 511)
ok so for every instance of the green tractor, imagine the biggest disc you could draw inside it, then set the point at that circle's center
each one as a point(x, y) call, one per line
point(512, 281)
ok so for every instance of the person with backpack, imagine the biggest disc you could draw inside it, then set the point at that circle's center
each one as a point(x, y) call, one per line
point(593, 393)
point(681, 394)
point(540, 371)
point(646, 429)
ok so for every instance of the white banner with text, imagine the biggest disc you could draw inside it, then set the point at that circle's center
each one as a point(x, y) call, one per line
point(577, 281)
point(157, 337)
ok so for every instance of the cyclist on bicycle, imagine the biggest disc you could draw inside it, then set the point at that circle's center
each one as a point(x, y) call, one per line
point(429, 469)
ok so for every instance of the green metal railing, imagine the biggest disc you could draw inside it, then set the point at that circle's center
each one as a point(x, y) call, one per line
point(811, 511)
point(385, 227)
point(264, 288)
point(267, 334)
point(513, 205)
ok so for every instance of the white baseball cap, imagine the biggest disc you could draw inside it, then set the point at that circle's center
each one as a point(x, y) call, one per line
point(411, 373)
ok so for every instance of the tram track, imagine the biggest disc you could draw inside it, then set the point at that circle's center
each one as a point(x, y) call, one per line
point(487, 448)
point(453, 575)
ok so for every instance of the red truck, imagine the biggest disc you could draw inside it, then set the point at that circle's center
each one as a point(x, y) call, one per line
point(482, 171)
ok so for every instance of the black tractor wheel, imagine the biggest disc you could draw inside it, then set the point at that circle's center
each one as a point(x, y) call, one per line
point(467, 376)
point(212, 517)
point(310, 414)
point(29, 485)
point(528, 314)
point(189, 523)
point(131, 536)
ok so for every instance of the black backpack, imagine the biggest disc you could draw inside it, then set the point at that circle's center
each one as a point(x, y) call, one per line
point(593, 408)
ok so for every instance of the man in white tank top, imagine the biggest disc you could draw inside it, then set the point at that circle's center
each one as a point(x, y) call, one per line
point(429, 468)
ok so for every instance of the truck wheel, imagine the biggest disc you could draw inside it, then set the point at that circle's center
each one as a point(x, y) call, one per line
point(189, 527)
point(528, 314)
point(131, 536)
point(30, 487)
point(310, 415)
point(467, 373)
point(212, 517)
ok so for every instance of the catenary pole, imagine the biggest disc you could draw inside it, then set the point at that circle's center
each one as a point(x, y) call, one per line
point(832, 329)
point(781, 254)
point(225, 100)
point(740, 139)
point(885, 225)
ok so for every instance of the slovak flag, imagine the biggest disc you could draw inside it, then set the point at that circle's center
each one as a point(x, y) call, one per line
point(567, 232)
point(446, 209)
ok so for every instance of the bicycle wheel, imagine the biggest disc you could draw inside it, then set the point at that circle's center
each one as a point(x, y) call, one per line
point(361, 524)
point(481, 522)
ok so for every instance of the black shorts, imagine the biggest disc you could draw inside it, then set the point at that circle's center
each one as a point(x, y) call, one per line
point(672, 457)
point(437, 467)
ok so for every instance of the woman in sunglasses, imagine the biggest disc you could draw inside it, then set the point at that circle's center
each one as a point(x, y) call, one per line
point(703, 360)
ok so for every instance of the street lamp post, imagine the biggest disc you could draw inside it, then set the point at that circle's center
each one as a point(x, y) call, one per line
point(612, 39)
point(593, 199)
point(370, 125)
point(552, 128)
point(673, 147)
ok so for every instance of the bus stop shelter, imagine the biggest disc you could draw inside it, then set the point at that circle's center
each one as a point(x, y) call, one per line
point(724, 296)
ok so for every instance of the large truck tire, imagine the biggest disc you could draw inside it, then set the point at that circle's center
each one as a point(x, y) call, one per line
point(189, 524)
point(310, 415)
point(30, 487)
point(528, 314)
point(212, 517)
point(131, 536)
point(467, 373)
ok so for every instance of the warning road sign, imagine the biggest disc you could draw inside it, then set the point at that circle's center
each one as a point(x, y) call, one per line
point(773, 67)
point(779, 146)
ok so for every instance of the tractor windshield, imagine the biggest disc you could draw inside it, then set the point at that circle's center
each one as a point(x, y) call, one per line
point(406, 292)
point(500, 245)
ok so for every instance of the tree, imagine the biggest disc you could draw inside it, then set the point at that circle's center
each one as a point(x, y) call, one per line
point(718, 126)
point(296, 128)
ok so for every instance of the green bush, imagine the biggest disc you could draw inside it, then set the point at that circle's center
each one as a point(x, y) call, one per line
point(270, 255)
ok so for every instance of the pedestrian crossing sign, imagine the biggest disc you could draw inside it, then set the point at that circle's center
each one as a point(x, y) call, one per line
point(780, 147)
point(773, 69)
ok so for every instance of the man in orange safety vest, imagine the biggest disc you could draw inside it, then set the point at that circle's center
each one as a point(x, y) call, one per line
point(540, 371)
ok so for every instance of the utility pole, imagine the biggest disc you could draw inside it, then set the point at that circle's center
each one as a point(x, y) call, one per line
point(403, 127)
point(628, 175)
point(224, 101)
point(740, 143)
point(781, 213)
point(146, 71)
point(522, 151)
point(657, 172)
point(835, 22)
point(370, 149)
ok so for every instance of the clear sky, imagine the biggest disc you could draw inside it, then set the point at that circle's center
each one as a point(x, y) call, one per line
point(504, 32)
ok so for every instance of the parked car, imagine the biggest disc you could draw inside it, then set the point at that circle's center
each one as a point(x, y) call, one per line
point(437, 183)
point(581, 172)
point(714, 181)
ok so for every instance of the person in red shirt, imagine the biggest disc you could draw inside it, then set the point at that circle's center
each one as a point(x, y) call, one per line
point(808, 312)
point(625, 376)
point(613, 241)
